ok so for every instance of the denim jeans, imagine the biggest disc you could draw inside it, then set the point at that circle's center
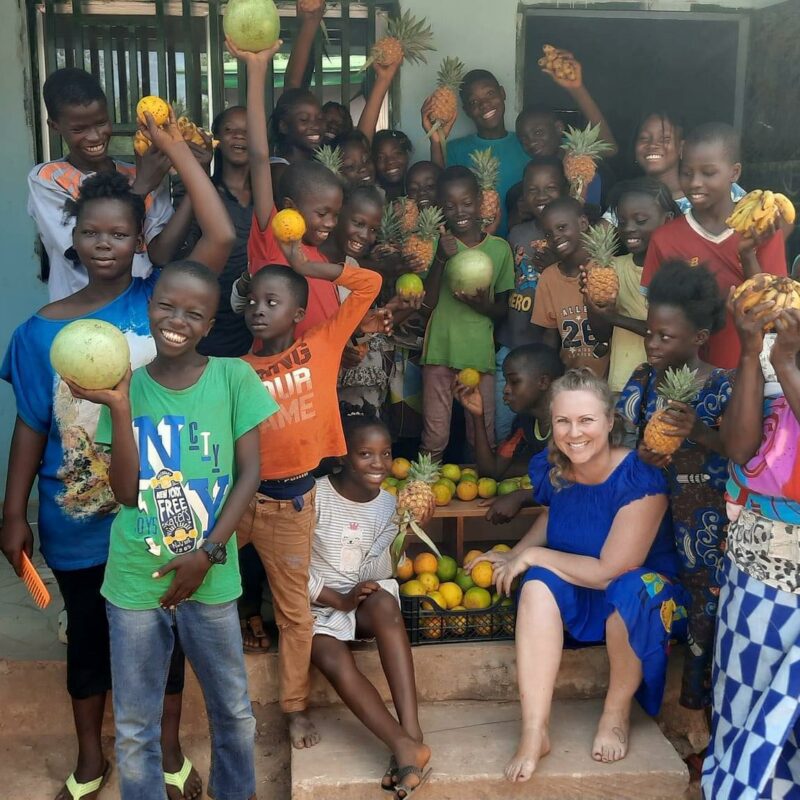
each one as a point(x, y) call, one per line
point(503, 415)
point(141, 646)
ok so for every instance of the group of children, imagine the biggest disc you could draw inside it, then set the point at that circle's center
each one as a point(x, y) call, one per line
point(272, 383)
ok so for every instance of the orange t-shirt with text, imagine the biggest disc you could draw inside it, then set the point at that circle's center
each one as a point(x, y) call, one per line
point(302, 380)
point(263, 249)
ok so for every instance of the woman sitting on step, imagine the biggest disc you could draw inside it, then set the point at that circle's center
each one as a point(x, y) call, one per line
point(600, 563)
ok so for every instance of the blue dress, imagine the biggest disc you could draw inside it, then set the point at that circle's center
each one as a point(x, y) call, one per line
point(649, 601)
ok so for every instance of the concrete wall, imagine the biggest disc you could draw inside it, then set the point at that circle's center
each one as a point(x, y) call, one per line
point(21, 292)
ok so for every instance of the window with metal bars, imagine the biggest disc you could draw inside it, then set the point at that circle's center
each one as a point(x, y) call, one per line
point(176, 49)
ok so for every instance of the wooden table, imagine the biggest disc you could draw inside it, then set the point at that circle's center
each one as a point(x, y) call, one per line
point(453, 516)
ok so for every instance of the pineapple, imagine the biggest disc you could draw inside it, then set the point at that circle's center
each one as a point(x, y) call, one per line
point(417, 496)
point(444, 101)
point(409, 213)
point(390, 233)
point(486, 168)
point(582, 149)
point(330, 157)
point(783, 292)
point(420, 245)
point(406, 38)
point(602, 282)
point(681, 386)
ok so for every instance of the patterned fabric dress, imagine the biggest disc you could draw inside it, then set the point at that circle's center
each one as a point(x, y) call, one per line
point(697, 483)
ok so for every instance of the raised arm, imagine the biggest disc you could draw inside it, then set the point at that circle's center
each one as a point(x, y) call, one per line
point(384, 76)
point(303, 45)
point(257, 141)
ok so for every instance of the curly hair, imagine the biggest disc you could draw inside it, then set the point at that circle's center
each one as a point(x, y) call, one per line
point(107, 186)
point(579, 380)
point(694, 290)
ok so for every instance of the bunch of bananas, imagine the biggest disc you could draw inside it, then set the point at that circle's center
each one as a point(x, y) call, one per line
point(559, 63)
point(781, 292)
point(189, 130)
point(758, 209)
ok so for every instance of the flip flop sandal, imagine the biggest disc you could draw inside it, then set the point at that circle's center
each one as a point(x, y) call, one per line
point(249, 648)
point(391, 771)
point(404, 772)
point(79, 790)
point(178, 779)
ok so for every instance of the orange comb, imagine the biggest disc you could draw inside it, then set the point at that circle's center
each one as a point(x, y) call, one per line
point(34, 583)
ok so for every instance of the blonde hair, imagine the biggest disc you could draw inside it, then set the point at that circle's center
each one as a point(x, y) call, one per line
point(579, 380)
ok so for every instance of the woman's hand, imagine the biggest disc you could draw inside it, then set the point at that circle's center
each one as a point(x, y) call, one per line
point(506, 571)
point(492, 556)
point(105, 397)
point(787, 341)
point(469, 397)
point(357, 595)
point(749, 323)
point(190, 571)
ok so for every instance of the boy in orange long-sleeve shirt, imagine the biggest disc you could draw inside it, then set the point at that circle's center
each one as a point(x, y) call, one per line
point(300, 374)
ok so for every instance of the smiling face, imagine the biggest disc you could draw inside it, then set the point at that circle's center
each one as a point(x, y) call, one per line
point(181, 312)
point(391, 162)
point(357, 167)
point(658, 146)
point(232, 137)
point(563, 228)
point(86, 130)
point(358, 227)
point(485, 105)
point(539, 134)
point(369, 457)
point(671, 339)
point(336, 123)
point(638, 215)
point(320, 212)
point(272, 310)
point(421, 184)
point(581, 425)
point(106, 237)
point(706, 174)
point(542, 184)
point(460, 204)
point(303, 125)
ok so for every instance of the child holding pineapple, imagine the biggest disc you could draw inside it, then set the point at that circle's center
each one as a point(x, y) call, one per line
point(560, 315)
point(461, 329)
point(710, 166)
point(674, 403)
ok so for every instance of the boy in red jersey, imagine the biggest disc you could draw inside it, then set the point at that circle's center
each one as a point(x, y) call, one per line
point(709, 166)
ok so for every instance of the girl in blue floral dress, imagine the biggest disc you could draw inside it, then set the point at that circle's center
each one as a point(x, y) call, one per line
point(685, 308)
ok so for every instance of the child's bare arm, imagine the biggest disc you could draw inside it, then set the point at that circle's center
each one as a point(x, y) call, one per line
point(448, 247)
point(309, 269)
point(380, 88)
point(257, 141)
point(487, 461)
point(495, 308)
point(437, 148)
point(24, 458)
point(303, 45)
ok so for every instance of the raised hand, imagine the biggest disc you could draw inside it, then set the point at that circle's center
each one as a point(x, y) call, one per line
point(575, 80)
point(262, 58)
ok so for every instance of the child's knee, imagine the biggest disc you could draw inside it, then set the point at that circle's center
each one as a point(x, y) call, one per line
point(383, 608)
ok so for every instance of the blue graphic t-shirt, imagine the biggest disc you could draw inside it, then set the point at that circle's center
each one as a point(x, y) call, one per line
point(187, 466)
point(76, 505)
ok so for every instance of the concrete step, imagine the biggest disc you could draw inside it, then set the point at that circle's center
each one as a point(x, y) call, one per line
point(471, 743)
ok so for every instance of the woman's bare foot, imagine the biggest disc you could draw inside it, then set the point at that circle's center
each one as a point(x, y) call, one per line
point(409, 753)
point(534, 744)
point(611, 740)
point(302, 732)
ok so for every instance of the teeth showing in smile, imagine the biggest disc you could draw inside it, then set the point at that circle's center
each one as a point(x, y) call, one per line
point(314, 137)
point(172, 336)
point(561, 246)
point(356, 246)
point(577, 445)
point(490, 114)
point(323, 235)
point(95, 149)
point(653, 157)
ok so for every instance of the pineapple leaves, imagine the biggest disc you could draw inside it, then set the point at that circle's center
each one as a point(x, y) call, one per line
point(398, 544)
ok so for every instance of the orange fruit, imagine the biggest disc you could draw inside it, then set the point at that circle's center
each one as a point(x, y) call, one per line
point(452, 593)
point(469, 471)
point(156, 107)
point(405, 568)
point(288, 225)
point(467, 490)
point(451, 472)
point(429, 581)
point(412, 589)
point(437, 598)
point(469, 377)
point(472, 554)
point(432, 627)
point(487, 487)
point(449, 484)
point(477, 598)
point(442, 494)
point(483, 574)
point(501, 548)
point(456, 625)
point(425, 562)
point(400, 468)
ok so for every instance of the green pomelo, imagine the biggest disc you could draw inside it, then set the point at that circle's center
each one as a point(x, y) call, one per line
point(252, 25)
point(92, 353)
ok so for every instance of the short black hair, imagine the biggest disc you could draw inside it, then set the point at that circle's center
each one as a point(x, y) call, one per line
point(537, 357)
point(472, 77)
point(70, 86)
point(304, 179)
point(391, 136)
point(192, 269)
point(298, 285)
point(694, 290)
point(455, 174)
point(343, 110)
point(553, 162)
point(107, 186)
point(717, 133)
point(539, 110)
point(513, 196)
point(363, 194)
point(650, 187)
point(354, 137)
point(358, 418)
point(565, 204)
point(424, 165)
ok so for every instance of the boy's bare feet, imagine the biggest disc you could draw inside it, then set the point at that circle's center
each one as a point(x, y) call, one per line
point(193, 788)
point(611, 739)
point(534, 744)
point(302, 732)
point(409, 753)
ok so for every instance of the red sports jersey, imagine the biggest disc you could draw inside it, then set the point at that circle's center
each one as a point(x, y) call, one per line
point(685, 239)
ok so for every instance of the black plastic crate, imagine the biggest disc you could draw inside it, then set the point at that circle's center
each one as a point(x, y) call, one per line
point(439, 625)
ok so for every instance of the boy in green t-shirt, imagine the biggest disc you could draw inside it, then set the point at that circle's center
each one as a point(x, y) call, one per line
point(461, 329)
point(184, 464)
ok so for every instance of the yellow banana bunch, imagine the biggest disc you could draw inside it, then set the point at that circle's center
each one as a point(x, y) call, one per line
point(781, 292)
point(758, 209)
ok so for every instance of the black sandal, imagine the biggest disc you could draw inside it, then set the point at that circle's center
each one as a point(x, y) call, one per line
point(391, 771)
point(404, 772)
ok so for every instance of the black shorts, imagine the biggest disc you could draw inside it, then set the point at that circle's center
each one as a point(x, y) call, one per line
point(88, 653)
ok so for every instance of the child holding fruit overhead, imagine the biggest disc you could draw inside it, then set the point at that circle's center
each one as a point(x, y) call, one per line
point(353, 597)
point(467, 289)
point(54, 433)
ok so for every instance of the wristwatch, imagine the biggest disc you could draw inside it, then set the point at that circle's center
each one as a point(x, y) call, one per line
point(217, 553)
